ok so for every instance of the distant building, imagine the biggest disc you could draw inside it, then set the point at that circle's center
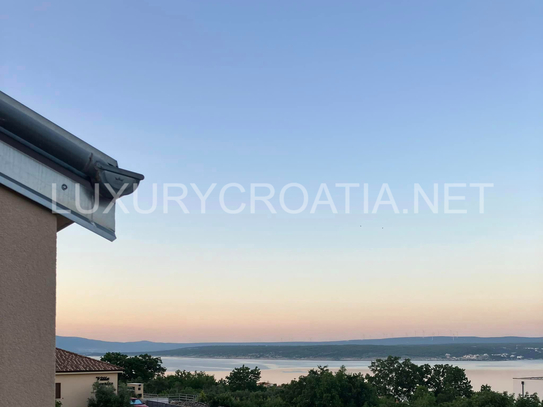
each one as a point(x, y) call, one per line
point(137, 389)
point(76, 375)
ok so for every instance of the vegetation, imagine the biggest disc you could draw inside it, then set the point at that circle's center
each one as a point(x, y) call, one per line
point(321, 387)
point(105, 396)
point(401, 380)
point(181, 382)
point(393, 382)
point(489, 351)
point(140, 368)
point(243, 378)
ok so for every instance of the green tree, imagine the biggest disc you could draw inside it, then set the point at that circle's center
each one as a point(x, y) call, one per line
point(394, 378)
point(400, 379)
point(447, 382)
point(321, 387)
point(423, 398)
point(488, 398)
point(105, 396)
point(243, 378)
point(529, 400)
point(140, 368)
point(221, 396)
point(181, 382)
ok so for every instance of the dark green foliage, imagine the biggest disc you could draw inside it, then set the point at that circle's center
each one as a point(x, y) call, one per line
point(243, 378)
point(394, 383)
point(401, 379)
point(262, 398)
point(105, 396)
point(394, 378)
point(529, 400)
point(140, 368)
point(447, 382)
point(488, 398)
point(181, 382)
point(321, 387)
point(423, 398)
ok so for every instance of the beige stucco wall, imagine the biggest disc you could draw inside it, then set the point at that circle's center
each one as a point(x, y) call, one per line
point(27, 301)
point(76, 388)
point(137, 388)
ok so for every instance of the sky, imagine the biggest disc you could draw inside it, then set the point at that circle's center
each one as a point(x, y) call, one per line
point(306, 92)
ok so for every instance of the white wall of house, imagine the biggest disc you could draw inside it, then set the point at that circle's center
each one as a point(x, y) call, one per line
point(76, 388)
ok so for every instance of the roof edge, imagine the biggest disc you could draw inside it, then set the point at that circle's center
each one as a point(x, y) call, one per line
point(38, 118)
point(117, 368)
point(45, 138)
point(87, 371)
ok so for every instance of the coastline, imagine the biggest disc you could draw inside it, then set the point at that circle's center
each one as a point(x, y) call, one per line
point(417, 359)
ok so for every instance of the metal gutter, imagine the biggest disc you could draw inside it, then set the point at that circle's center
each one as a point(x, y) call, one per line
point(50, 140)
point(57, 170)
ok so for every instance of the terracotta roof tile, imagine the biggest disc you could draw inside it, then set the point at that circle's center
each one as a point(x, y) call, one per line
point(72, 362)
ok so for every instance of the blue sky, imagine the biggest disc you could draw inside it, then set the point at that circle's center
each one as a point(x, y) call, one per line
point(308, 92)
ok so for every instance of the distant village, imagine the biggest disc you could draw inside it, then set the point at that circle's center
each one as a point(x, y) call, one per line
point(494, 356)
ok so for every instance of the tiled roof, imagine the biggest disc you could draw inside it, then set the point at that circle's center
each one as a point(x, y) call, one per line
point(72, 362)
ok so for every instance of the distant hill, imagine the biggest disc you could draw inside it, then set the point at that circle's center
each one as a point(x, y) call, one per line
point(97, 347)
point(456, 351)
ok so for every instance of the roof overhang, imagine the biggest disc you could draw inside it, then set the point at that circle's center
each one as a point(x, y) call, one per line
point(57, 170)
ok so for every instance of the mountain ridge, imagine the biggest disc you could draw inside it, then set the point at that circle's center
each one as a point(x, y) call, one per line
point(96, 347)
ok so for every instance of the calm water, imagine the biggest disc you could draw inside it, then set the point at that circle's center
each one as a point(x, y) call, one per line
point(499, 375)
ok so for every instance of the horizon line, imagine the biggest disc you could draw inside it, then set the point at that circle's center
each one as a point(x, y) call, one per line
point(315, 341)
